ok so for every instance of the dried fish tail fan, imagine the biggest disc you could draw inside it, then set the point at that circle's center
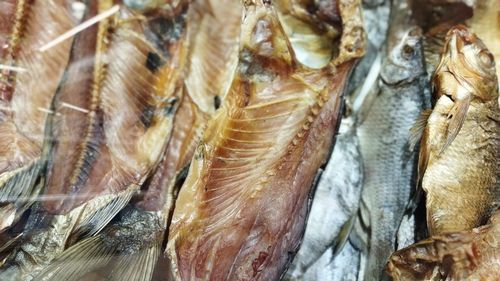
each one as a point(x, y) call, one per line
point(240, 214)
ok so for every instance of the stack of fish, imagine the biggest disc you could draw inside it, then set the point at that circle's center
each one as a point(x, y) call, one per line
point(249, 140)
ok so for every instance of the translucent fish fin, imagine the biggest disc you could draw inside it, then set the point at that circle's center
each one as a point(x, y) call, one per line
point(417, 130)
point(343, 236)
point(137, 266)
point(87, 256)
point(97, 221)
point(456, 119)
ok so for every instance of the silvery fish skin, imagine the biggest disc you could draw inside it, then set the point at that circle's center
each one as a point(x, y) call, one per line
point(335, 202)
point(459, 150)
point(376, 19)
point(331, 266)
point(455, 256)
point(28, 80)
point(384, 136)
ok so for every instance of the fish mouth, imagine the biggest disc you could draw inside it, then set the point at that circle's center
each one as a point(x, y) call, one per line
point(462, 35)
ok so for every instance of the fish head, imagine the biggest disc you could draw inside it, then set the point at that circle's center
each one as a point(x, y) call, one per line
point(404, 62)
point(466, 66)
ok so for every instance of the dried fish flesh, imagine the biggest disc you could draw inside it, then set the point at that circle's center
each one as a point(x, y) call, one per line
point(28, 80)
point(101, 148)
point(458, 160)
point(389, 163)
point(335, 203)
point(467, 255)
point(129, 246)
point(240, 213)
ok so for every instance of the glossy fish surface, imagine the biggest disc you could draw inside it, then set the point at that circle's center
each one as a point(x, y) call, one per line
point(467, 255)
point(240, 214)
point(28, 81)
point(110, 127)
point(458, 161)
point(384, 133)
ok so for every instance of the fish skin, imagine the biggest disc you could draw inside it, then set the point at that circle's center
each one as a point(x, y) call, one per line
point(122, 130)
point(389, 164)
point(466, 255)
point(459, 147)
point(25, 96)
point(343, 266)
point(258, 245)
point(335, 202)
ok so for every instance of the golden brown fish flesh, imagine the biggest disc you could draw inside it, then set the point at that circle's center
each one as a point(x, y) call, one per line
point(240, 214)
point(468, 255)
point(459, 156)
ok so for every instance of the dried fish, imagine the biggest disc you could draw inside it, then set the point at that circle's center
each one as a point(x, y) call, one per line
point(335, 203)
point(458, 163)
point(128, 248)
point(389, 162)
point(28, 80)
point(467, 255)
point(114, 113)
point(240, 213)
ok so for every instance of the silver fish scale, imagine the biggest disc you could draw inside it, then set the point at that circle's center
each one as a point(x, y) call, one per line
point(389, 166)
point(335, 202)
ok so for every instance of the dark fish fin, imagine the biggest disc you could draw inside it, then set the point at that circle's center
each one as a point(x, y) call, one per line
point(136, 266)
point(95, 223)
point(456, 119)
point(417, 130)
point(74, 263)
point(21, 186)
point(19, 193)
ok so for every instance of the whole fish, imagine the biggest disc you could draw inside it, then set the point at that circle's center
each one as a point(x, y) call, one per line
point(384, 134)
point(335, 202)
point(458, 163)
point(128, 248)
point(28, 80)
point(113, 118)
point(466, 255)
point(240, 214)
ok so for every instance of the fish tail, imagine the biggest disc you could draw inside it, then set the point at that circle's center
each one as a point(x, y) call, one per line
point(103, 255)
point(18, 193)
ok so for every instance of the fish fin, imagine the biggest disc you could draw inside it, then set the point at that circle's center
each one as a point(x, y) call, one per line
point(7, 246)
point(136, 266)
point(343, 236)
point(89, 255)
point(417, 130)
point(456, 119)
point(97, 221)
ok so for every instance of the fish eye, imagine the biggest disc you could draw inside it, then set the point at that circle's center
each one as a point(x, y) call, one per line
point(408, 51)
point(486, 58)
